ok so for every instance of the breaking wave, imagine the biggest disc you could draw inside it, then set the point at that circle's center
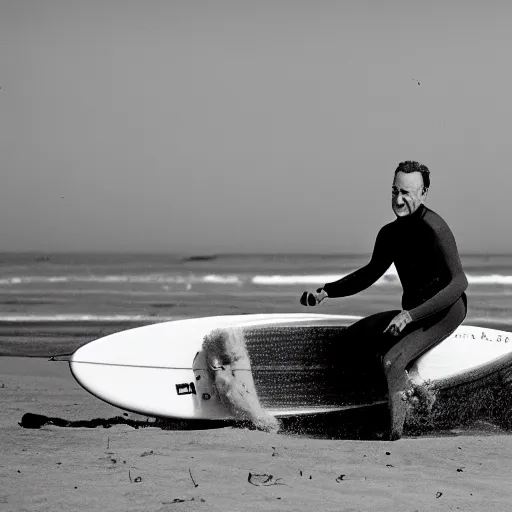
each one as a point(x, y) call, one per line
point(87, 318)
point(389, 278)
point(283, 280)
point(125, 279)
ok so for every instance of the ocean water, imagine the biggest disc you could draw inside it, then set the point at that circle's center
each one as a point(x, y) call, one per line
point(84, 291)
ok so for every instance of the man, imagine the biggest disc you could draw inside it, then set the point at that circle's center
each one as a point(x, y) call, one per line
point(423, 249)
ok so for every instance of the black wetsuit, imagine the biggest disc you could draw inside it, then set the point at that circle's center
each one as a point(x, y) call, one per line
point(425, 255)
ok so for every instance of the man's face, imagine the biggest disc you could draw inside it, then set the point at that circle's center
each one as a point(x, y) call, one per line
point(407, 193)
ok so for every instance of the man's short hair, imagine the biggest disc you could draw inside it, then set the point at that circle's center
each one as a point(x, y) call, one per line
point(412, 166)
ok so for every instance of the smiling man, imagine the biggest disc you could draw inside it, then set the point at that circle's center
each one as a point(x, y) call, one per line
point(423, 249)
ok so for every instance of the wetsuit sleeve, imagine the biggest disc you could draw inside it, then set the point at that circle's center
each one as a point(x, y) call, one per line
point(458, 282)
point(364, 277)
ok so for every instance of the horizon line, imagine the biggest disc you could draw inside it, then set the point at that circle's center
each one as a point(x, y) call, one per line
point(211, 255)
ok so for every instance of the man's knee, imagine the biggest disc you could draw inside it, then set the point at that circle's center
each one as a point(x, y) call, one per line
point(394, 365)
point(401, 355)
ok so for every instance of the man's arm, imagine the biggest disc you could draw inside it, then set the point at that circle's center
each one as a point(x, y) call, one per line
point(364, 277)
point(458, 281)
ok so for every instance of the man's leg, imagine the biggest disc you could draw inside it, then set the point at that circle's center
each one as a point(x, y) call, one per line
point(368, 332)
point(409, 347)
point(365, 343)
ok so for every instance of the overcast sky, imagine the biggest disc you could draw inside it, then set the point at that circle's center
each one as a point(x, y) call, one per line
point(268, 126)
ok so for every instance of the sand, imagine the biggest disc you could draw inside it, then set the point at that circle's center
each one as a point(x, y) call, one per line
point(151, 469)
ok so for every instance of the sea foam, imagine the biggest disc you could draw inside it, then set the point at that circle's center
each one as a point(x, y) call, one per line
point(390, 278)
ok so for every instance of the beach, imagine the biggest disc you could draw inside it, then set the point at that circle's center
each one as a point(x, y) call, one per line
point(150, 468)
point(129, 468)
point(88, 455)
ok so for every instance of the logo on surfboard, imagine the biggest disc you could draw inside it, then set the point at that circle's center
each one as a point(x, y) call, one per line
point(186, 389)
point(485, 336)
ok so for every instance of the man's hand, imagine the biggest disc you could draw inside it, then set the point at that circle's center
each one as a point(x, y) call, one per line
point(313, 298)
point(397, 325)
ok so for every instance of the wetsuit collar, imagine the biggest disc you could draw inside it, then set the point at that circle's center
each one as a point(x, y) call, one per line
point(417, 214)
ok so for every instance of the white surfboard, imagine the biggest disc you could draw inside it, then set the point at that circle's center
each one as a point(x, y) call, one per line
point(161, 370)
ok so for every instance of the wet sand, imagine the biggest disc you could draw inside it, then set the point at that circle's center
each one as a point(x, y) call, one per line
point(133, 468)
